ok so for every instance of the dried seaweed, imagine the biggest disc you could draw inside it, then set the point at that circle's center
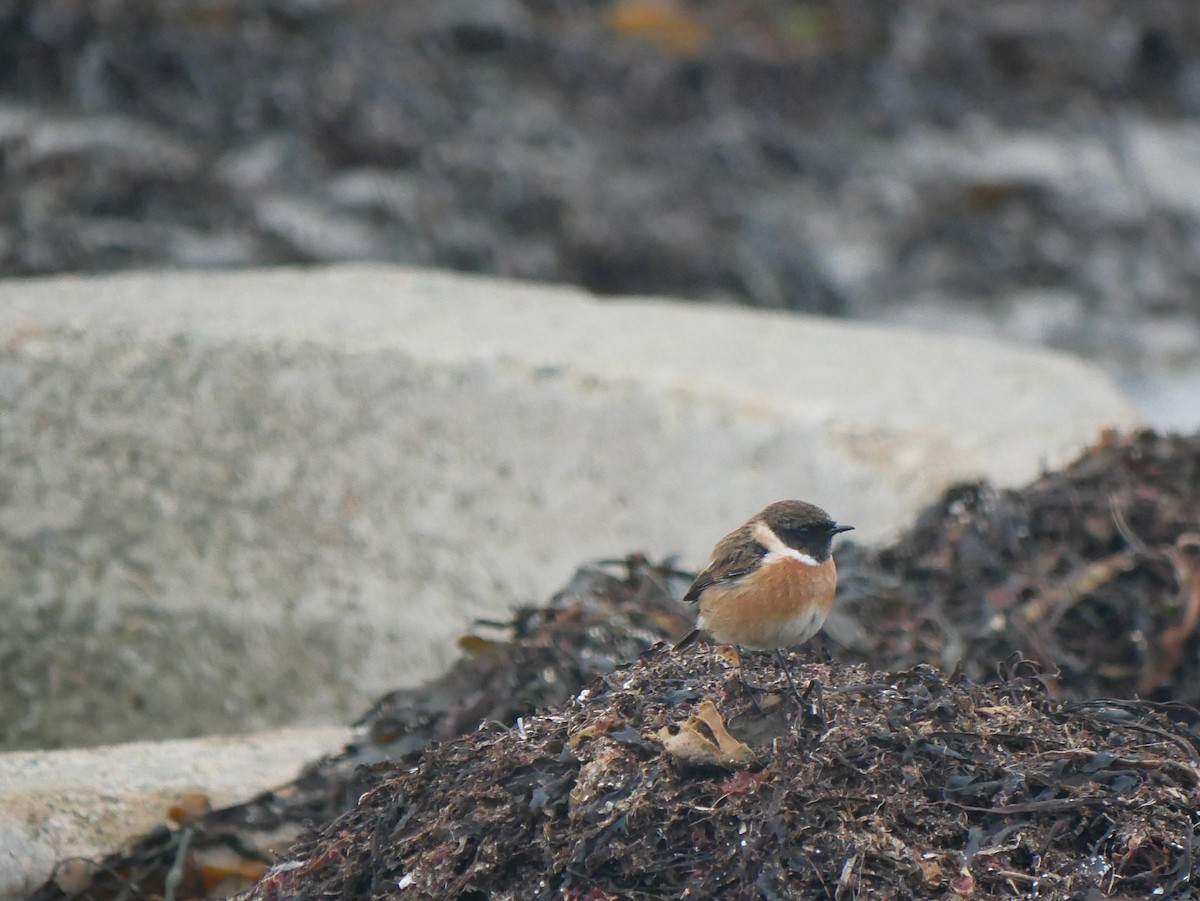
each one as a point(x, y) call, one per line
point(1092, 571)
point(1053, 781)
point(900, 785)
point(610, 612)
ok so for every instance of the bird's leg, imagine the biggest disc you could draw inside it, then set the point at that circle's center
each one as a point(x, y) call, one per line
point(787, 671)
point(751, 689)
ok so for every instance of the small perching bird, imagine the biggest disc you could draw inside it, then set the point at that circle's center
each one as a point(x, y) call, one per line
point(770, 583)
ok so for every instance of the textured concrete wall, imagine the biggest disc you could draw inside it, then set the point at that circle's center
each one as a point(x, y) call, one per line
point(234, 500)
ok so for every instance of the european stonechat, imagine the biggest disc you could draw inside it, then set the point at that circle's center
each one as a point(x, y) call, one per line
point(770, 583)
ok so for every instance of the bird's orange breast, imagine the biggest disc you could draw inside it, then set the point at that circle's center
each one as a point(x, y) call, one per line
point(781, 603)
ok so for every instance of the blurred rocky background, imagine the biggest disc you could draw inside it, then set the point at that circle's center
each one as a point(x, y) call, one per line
point(1029, 168)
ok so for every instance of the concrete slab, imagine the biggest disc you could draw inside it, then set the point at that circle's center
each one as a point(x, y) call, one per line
point(229, 501)
point(56, 805)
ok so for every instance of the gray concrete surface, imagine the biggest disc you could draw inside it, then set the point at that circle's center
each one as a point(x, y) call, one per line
point(229, 501)
point(56, 805)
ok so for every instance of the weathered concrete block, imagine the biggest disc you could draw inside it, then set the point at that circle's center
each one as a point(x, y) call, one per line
point(229, 501)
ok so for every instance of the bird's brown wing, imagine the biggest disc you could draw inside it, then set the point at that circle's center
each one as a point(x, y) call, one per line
point(735, 555)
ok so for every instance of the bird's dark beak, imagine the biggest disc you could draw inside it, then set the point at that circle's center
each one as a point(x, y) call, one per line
point(836, 528)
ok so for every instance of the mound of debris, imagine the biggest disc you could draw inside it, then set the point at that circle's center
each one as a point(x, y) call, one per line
point(1092, 571)
point(610, 612)
point(667, 778)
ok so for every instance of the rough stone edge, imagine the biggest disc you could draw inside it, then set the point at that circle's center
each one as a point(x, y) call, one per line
point(85, 803)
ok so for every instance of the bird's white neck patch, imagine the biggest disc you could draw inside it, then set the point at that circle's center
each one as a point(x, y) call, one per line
point(776, 548)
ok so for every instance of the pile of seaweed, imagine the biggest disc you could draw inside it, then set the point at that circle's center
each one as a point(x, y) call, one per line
point(610, 612)
point(667, 778)
point(1093, 571)
point(1089, 573)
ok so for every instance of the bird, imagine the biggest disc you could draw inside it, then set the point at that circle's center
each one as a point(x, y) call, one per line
point(769, 583)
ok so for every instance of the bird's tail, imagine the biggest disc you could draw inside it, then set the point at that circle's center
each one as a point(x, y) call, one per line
point(688, 640)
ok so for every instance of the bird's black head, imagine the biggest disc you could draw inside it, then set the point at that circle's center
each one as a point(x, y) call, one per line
point(805, 527)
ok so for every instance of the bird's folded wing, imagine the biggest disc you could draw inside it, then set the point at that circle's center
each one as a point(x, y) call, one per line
point(736, 555)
